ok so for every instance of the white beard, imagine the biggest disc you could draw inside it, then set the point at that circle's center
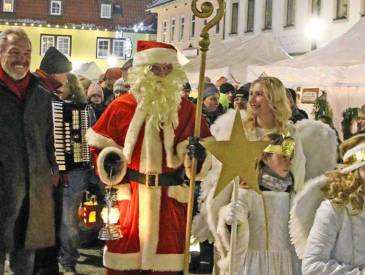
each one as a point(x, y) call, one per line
point(158, 103)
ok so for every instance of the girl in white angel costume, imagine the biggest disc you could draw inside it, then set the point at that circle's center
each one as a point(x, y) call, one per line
point(334, 243)
point(315, 146)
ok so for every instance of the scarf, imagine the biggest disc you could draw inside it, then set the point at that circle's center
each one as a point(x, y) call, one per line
point(271, 181)
point(50, 83)
point(20, 87)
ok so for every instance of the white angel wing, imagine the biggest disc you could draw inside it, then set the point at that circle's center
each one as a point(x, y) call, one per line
point(303, 211)
point(319, 147)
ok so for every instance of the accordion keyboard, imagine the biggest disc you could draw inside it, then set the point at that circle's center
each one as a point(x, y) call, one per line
point(70, 125)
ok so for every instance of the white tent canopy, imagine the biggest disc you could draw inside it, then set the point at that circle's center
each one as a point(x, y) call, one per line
point(91, 70)
point(230, 57)
point(338, 68)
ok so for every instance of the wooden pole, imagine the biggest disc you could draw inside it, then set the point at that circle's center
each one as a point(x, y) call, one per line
point(205, 11)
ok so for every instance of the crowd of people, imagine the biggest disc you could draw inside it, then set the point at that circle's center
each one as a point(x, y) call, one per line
point(306, 218)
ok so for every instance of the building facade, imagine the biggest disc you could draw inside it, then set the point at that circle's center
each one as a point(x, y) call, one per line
point(290, 21)
point(103, 31)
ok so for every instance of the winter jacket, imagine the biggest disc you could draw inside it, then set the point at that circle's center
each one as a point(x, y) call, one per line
point(27, 163)
point(336, 243)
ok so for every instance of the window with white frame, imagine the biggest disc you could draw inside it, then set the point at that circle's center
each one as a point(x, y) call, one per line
point(290, 13)
point(8, 5)
point(172, 30)
point(341, 9)
point(268, 15)
point(64, 44)
point(55, 7)
point(164, 31)
point(192, 26)
point(234, 18)
point(217, 25)
point(61, 42)
point(362, 12)
point(182, 28)
point(47, 41)
point(250, 15)
point(316, 7)
point(103, 49)
point(106, 11)
point(119, 48)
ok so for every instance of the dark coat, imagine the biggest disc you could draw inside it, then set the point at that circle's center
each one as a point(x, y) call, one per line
point(26, 165)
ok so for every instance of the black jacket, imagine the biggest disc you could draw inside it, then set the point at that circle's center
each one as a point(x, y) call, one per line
point(26, 164)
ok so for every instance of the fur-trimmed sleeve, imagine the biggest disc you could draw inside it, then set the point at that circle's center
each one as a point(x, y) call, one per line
point(318, 256)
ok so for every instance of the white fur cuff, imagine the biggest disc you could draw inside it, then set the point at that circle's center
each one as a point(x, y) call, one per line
point(104, 177)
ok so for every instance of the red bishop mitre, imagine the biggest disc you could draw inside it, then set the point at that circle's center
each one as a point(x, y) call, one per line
point(151, 52)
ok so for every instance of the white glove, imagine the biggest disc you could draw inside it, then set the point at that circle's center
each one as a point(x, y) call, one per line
point(235, 210)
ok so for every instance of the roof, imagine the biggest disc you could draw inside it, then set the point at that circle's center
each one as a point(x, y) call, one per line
point(156, 3)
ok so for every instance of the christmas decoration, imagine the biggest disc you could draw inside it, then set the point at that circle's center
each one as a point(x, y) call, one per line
point(322, 110)
point(238, 156)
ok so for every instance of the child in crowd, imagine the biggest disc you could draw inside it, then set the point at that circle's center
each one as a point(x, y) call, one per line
point(263, 245)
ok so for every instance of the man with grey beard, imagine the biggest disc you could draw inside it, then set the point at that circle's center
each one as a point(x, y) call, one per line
point(28, 168)
point(147, 131)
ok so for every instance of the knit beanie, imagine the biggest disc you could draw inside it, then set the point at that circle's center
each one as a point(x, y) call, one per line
point(54, 62)
point(227, 87)
point(95, 89)
point(209, 90)
point(244, 91)
point(120, 86)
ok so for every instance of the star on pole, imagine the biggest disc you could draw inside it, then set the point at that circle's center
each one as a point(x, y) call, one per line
point(237, 155)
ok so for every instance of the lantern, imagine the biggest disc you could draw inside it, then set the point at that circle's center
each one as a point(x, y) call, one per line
point(110, 215)
point(88, 212)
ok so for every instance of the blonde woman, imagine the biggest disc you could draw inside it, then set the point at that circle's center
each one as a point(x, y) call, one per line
point(268, 113)
point(336, 242)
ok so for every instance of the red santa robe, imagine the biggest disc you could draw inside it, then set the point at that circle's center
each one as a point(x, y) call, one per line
point(152, 220)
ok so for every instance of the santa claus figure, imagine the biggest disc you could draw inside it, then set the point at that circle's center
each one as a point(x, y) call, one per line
point(148, 129)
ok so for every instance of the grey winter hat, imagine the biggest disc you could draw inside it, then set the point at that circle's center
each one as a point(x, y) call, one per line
point(120, 86)
point(209, 90)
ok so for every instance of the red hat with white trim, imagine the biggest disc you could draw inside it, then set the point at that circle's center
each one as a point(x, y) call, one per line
point(151, 52)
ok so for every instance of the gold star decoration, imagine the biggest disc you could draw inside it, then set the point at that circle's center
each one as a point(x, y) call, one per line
point(237, 155)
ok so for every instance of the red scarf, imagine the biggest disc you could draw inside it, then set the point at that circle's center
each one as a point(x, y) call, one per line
point(51, 83)
point(20, 87)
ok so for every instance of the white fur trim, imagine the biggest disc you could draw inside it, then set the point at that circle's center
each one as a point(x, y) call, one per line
point(155, 55)
point(181, 149)
point(117, 261)
point(133, 132)
point(123, 192)
point(99, 141)
point(303, 212)
point(151, 157)
point(179, 193)
point(149, 219)
point(207, 164)
point(104, 177)
point(172, 160)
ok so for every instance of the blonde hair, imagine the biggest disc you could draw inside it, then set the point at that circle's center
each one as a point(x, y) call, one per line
point(343, 189)
point(275, 92)
point(76, 89)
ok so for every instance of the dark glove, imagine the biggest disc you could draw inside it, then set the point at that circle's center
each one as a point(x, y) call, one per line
point(195, 149)
point(113, 164)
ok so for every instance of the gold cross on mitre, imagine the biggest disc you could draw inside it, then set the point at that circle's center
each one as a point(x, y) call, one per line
point(238, 156)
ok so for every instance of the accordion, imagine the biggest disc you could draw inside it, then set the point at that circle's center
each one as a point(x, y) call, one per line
point(70, 123)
